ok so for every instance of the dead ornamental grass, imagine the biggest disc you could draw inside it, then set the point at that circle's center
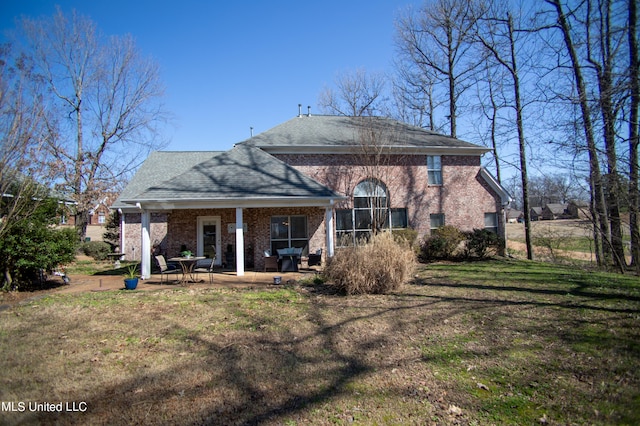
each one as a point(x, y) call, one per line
point(379, 266)
point(468, 343)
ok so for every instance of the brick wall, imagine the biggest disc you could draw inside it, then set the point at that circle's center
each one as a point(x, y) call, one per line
point(464, 197)
point(133, 229)
point(169, 231)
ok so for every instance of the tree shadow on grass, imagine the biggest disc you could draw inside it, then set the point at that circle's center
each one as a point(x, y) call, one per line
point(581, 295)
point(261, 372)
point(248, 377)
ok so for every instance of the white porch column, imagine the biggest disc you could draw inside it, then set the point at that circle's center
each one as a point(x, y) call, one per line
point(328, 220)
point(145, 265)
point(239, 243)
point(123, 241)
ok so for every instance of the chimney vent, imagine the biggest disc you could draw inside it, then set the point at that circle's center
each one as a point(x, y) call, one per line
point(299, 110)
point(308, 111)
point(251, 129)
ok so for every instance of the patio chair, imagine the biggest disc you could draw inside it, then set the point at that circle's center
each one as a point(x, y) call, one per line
point(205, 266)
point(315, 259)
point(270, 262)
point(164, 269)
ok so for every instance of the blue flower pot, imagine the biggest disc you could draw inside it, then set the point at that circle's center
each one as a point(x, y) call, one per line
point(130, 283)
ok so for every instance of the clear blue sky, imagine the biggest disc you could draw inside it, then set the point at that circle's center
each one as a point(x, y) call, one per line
point(231, 65)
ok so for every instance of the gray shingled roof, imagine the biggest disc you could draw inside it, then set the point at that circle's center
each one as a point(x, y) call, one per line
point(242, 173)
point(249, 172)
point(324, 132)
point(161, 166)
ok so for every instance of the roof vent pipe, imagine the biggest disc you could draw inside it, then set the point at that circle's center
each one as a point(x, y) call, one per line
point(299, 110)
point(251, 129)
point(308, 111)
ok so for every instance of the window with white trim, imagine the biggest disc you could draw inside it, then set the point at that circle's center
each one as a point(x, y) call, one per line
point(491, 222)
point(289, 231)
point(434, 169)
point(370, 212)
point(437, 220)
point(399, 219)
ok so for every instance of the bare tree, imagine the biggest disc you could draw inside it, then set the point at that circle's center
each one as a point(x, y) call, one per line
point(107, 97)
point(413, 95)
point(603, 49)
point(594, 38)
point(356, 93)
point(374, 140)
point(634, 87)
point(437, 42)
point(553, 188)
point(23, 132)
point(490, 102)
point(496, 32)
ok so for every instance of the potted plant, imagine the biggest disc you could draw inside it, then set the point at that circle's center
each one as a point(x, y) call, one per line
point(184, 251)
point(131, 277)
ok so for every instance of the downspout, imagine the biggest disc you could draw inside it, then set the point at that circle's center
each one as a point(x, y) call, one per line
point(504, 224)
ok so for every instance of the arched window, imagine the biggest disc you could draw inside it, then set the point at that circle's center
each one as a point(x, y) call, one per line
point(370, 188)
point(371, 206)
point(370, 212)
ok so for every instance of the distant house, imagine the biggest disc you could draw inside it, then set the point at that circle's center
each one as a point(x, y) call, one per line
point(514, 216)
point(66, 205)
point(535, 213)
point(101, 210)
point(579, 209)
point(97, 214)
point(555, 211)
point(305, 184)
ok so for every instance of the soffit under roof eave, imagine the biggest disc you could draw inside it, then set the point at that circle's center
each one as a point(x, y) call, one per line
point(159, 205)
point(323, 149)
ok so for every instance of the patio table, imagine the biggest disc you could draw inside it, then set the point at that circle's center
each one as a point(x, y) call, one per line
point(187, 264)
point(289, 259)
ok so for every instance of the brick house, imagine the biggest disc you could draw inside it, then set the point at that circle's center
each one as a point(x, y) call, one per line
point(313, 182)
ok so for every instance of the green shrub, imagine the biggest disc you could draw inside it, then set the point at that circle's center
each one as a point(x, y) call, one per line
point(378, 266)
point(31, 245)
point(111, 234)
point(408, 235)
point(96, 249)
point(443, 243)
point(482, 243)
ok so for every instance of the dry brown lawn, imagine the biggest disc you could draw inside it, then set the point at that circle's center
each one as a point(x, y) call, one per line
point(569, 227)
point(470, 343)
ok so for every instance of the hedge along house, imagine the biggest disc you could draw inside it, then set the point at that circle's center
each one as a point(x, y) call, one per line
point(313, 182)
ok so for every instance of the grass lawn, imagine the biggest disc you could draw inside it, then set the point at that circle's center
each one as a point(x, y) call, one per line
point(496, 342)
point(571, 243)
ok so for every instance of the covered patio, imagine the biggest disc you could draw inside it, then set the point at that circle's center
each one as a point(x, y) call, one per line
point(176, 200)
